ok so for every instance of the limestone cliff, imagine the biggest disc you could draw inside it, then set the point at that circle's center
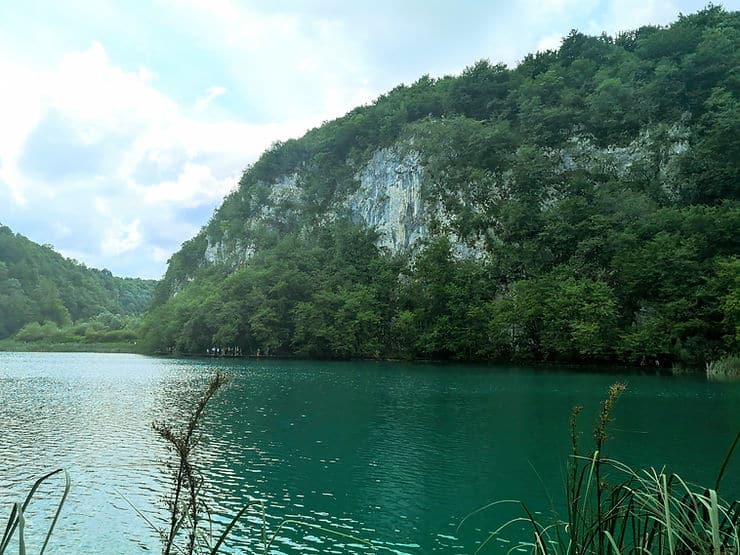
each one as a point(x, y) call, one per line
point(389, 194)
point(389, 199)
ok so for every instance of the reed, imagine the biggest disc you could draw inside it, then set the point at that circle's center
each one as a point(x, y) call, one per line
point(16, 520)
point(613, 509)
point(189, 528)
point(725, 369)
point(185, 504)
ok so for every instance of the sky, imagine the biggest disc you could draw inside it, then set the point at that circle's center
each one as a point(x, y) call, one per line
point(123, 124)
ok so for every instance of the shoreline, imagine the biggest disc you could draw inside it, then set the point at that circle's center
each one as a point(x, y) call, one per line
point(128, 348)
point(12, 346)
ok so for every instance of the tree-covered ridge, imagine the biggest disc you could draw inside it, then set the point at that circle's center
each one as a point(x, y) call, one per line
point(38, 286)
point(595, 188)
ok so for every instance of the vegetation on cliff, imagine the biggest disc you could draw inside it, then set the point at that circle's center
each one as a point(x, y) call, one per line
point(583, 206)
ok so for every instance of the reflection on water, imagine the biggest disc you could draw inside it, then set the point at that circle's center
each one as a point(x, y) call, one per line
point(394, 453)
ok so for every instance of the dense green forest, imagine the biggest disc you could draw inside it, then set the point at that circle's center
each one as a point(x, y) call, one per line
point(583, 207)
point(46, 297)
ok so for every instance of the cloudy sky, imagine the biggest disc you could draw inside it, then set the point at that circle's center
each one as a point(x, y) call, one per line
point(124, 123)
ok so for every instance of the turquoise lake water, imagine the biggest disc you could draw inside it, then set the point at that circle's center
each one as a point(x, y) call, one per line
point(393, 453)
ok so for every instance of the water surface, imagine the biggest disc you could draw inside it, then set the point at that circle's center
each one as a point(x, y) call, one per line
point(394, 453)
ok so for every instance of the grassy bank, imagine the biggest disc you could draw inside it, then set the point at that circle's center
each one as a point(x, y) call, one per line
point(13, 345)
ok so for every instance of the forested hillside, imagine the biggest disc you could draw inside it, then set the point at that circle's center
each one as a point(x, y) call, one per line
point(39, 286)
point(582, 206)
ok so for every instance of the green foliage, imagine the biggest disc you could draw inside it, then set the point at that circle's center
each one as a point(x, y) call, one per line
point(40, 290)
point(320, 296)
point(557, 316)
point(34, 331)
point(442, 304)
point(712, 167)
point(106, 329)
point(582, 207)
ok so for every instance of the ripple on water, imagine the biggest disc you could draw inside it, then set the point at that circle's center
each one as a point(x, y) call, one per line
point(395, 454)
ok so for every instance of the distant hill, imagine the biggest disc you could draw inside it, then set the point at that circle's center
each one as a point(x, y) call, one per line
point(582, 206)
point(38, 284)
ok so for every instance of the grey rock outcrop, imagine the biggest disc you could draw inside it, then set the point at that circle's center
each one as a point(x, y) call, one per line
point(389, 198)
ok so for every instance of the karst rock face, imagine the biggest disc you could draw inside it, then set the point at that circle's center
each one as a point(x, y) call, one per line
point(389, 199)
point(389, 196)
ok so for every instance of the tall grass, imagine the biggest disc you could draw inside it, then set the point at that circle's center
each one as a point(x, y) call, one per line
point(724, 369)
point(613, 509)
point(16, 520)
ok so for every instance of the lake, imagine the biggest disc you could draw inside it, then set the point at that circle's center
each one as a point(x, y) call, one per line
point(393, 453)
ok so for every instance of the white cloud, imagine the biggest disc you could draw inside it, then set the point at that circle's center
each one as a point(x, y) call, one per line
point(625, 15)
point(160, 255)
point(121, 237)
point(20, 110)
point(545, 22)
point(196, 185)
point(550, 42)
point(537, 11)
point(101, 97)
point(137, 159)
point(283, 62)
point(211, 94)
point(145, 76)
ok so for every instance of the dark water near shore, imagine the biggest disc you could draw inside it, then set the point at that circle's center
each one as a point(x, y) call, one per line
point(394, 453)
